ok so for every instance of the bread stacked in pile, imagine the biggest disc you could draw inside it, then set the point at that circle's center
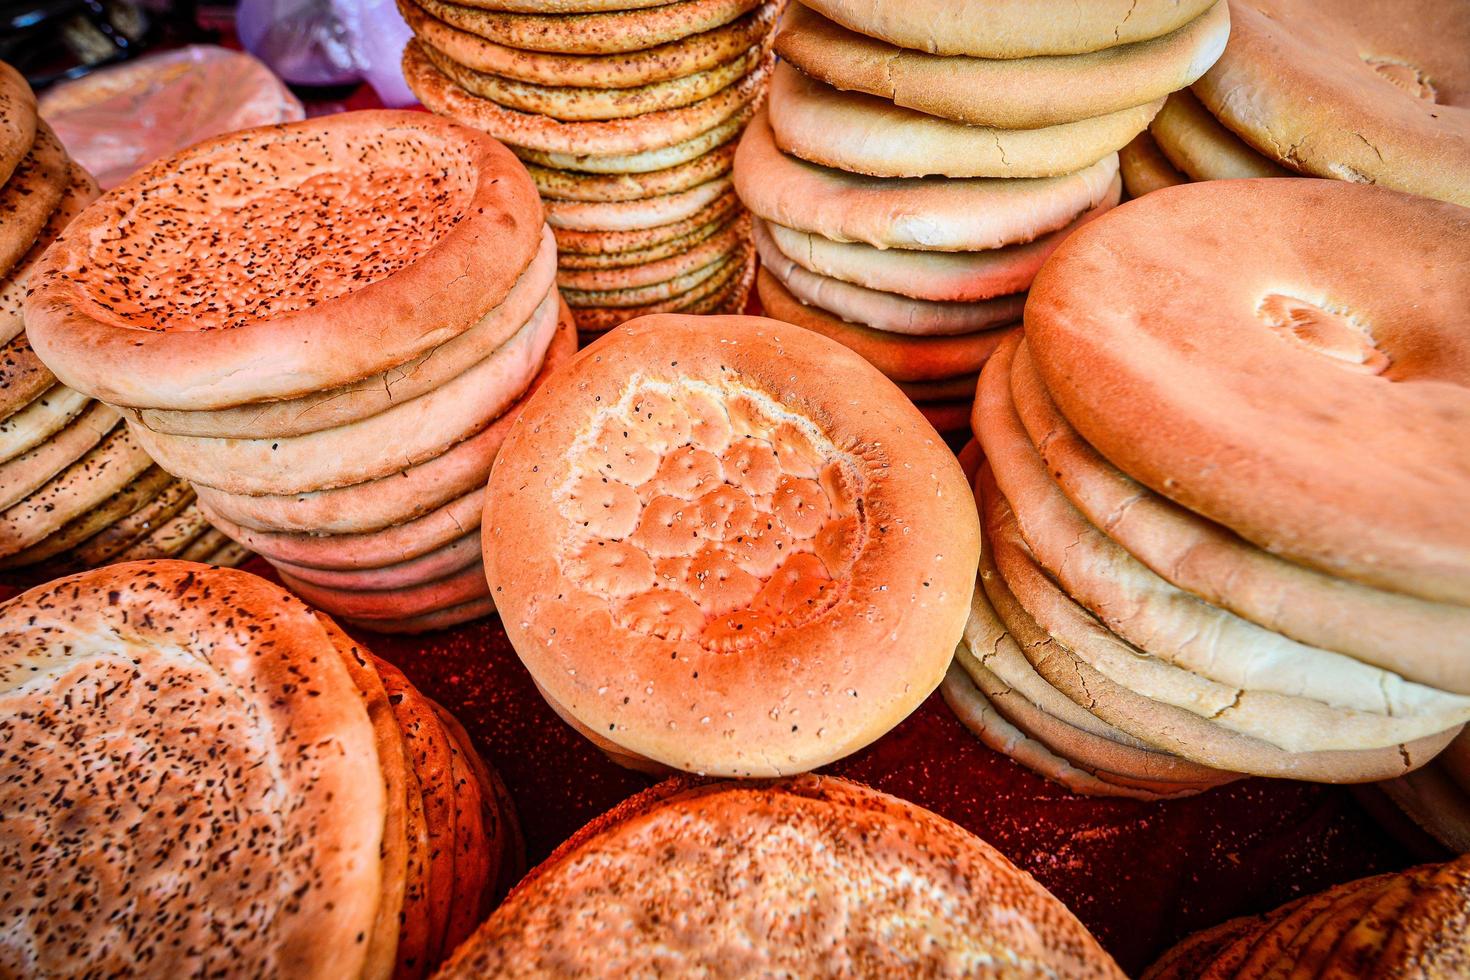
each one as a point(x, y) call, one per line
point(1413, 923)
point(626, 112)
point(216, 780)
point(812, 876)
point(1368, 93)
point(1224, 494)
point(920, 160)
point(76, 490)
point(326, 328)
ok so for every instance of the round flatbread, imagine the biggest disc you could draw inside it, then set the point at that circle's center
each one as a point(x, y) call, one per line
point(659, 292)
point(704, 253)
point(444, 560)
point(50, 412)
point(638, 134)
point(1297, 359)
point(899, 357)
point(17, 120)
point(928, 214)
point(628, 69)
point(706, 567)
point(81, 190)
point(692, 847)
point(173, 497)
point(636, 243)
point(646, 161)
point(278, 801)
point(31, 195)
point(170, 538)
point(1194, 141)
point(415, 599)
point(716, 287)
point(28, 471)
point(439, 619)
point(597, 33)
point(636, 215)
point(1013, 28)
point(1020, 93)
point(1360, 92)
point(569, 185)
point(863, 134)
point(1145, 168)
point(277, 311)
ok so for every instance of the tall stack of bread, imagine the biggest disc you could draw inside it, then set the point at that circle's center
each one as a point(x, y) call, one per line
point(75, 489)
point(1224, 493)
point(1368, 93)
point(326, 328)
point(206, 777)
point(1413, 923)
point(919, 161)
point(626, 112)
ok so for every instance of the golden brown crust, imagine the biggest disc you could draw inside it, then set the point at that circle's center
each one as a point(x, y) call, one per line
point(571, 240)
point(239, 685)
point(748, 424)
point(705, 251)
point(437, 620)
point(368, 605)
point(1194, 141)
point(446, 559)
point(1302, 358)
point(569, 185)
point(1145, 168)
point(724, 277)
point(594, 33)
point(43, 417)
point(707, 869)
point(81, 190)
point(635, 215)
point(116, 506)
point(29, 471)
point(192, 336)
point(17, 120)
point(31, 196)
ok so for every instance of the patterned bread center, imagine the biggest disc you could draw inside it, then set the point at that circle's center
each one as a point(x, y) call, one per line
point(710, 513)
point(1320, 328)
point(272, 224)
point(135, 780)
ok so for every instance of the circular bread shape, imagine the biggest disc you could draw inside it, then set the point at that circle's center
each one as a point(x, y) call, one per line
point(650, 212)
point(1020, 93)
point(173, 497)
point(1013, 28)
point(685, 850)
point(105, 469)
point(570, 103)
point(273, 760)
point(1428, 642)
point(31, 195)
point(23, 378)
point(277, 310)
point(646, 161)
point(989, 645)
point(51, 412)
point(17, 120)
point(1271, 360)
point(439, 619)
point(118, 506)
point(937, 276)
point(1194, 141)
point(863, 134)
point(669, 290)
point(1145, 168)
point(704, 252)
point(787, 554)
point(203, 546)
point(1258, 731)
point(81, 190)
point(169, 538)
point(531, 131)
point(600, 33)
point(1179, 731)
point(974, 708)
point(532, 297)
point(567, 185)
point(391, 546)
point(396, 499)
point(883, 310)
point(458, 554)
point(1172, 625)
point(676, 59)
point(27, 472)
point(367, 605)
point(725, 279)
point(507, 845)
point(929, 214)
point(1363, 93)
point(639, 241)
point(899, 357)
point(405, 435)
point(560, 6)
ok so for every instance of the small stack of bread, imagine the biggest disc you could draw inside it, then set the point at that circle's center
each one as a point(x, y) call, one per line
point(1363, 92)
point(919, 161)
point(1224, 493)
point(812, 876)
point(207, 777)
point(1413, 923)
point(327, 328)
point(626, 113)
point(76, 490)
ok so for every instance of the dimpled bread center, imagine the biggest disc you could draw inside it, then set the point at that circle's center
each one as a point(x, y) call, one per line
point(709, 513)
point(147, 779)
point(1402, 75)
point(272, 224)
point(1323, 330)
